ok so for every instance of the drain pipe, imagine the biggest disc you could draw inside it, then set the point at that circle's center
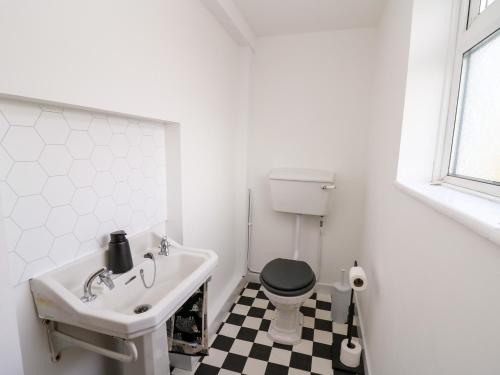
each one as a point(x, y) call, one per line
point(249, 230)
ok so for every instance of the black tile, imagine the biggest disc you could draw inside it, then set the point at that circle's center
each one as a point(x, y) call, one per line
point(275, 369)
point(322, 350)
point(264, 325)
point(235, 319)
point(247, 334)
point(308, 311)
point(256, 312)
point(323, 325)
point(314, 296)
point(282, 346)
point(322, 305)
point(243, 300)
point(234, 362)
point(301, 361)
point(223, 343)
point(307, 333)
point(253, 286)
point(261, 295)
point(261, 352)
point(204, 369)
point(271, 307)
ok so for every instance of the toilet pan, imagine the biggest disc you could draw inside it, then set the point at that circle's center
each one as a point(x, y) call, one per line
point(288, 284)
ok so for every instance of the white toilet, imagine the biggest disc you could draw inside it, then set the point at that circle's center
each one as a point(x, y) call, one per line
point(288, 283)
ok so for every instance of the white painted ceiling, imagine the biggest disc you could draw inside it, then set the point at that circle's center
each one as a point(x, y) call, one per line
point(278, 17)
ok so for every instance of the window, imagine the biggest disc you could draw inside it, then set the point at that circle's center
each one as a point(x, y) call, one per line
point(471, 156)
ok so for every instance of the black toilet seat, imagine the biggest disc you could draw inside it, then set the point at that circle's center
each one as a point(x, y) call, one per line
point(287, 277)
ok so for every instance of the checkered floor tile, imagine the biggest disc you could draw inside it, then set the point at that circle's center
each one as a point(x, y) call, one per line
point(242, 346)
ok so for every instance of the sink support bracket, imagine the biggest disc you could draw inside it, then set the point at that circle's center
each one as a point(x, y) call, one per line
point(58, 341)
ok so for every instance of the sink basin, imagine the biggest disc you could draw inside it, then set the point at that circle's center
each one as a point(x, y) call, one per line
point(178, 275)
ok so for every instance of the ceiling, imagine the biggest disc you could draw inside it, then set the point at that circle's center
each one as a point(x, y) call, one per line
point(278, 17)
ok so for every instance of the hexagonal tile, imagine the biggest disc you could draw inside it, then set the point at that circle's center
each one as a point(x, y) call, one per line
point(104, 184)
point(118, 124)
point(12, 234)
point(102, 158)
point(5, 163)
point(159, 136)
point(58, 191)
point(84, 201)
point(56, 160)
point(26, 178)
point(77, 120)
point(88, 247)
point(134, 134)
point(160, 157)
point(9, 199)
point(19, 113)
point(149, 167)
point(122, 193)
point(104, 230)
point(37, 267)
point(147, 145)
point(80, 145)
point(123, 215)
point(23, 144)
point(120, 170)
point(16, 268)
point(61, 220)
point(105, 209)
point(147, 127)
point(138, 200)
point(119, 145)
point(4, 126)
point(86, 227)
point(64, 249)
point(82, 173)
point(139, 222)
point(100, 131)
point(136, 179)
point(30, 212)
point(134, 158)
point(53, 128)
point(34, 244)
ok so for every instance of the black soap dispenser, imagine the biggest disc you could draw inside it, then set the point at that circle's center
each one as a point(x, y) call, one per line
point(120, 259)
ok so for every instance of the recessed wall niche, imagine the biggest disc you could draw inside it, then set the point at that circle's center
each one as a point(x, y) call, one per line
point(69, 177)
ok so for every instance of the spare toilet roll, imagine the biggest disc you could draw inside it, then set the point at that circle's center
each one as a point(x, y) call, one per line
point(350, 356)
point(357, 278)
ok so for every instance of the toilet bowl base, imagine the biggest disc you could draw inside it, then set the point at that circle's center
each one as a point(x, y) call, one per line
point(286, 325)
point(286, 336)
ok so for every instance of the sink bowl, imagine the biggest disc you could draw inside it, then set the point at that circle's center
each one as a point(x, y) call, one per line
point(129, 310)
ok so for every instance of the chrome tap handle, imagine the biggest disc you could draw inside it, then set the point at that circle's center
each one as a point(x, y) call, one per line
point(105, 278)
point(164, 246)
point(104, 275)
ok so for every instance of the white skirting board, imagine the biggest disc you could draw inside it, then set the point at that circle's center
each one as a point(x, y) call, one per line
point(214, 325)
point(361, 334)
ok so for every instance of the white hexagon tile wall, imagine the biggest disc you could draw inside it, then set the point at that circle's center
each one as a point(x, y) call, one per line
point(70, 177)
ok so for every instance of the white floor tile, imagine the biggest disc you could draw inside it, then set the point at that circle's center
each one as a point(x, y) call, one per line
point(280, 356)
point(255, 367)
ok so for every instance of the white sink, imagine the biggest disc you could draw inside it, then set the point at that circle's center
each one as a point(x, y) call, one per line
point(57, 293)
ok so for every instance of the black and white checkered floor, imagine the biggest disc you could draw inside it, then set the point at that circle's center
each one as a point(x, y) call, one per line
point(242, 346)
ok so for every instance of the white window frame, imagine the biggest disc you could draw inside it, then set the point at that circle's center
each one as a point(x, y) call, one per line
point(471, 28)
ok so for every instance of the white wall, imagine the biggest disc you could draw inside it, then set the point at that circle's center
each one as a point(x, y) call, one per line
point(431, 307)
point(161, 59)
point(309, 101)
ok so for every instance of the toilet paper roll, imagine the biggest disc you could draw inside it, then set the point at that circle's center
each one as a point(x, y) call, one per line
point(350, 357)
point(357, 279)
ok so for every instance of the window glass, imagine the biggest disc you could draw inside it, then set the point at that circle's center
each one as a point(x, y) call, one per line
point(476, 141)
point(485, 4)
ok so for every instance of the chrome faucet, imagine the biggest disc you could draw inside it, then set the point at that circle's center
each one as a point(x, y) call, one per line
point(164, 246)
point(104, 278)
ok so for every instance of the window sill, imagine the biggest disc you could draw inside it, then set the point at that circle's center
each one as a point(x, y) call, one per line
point(479, 214)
